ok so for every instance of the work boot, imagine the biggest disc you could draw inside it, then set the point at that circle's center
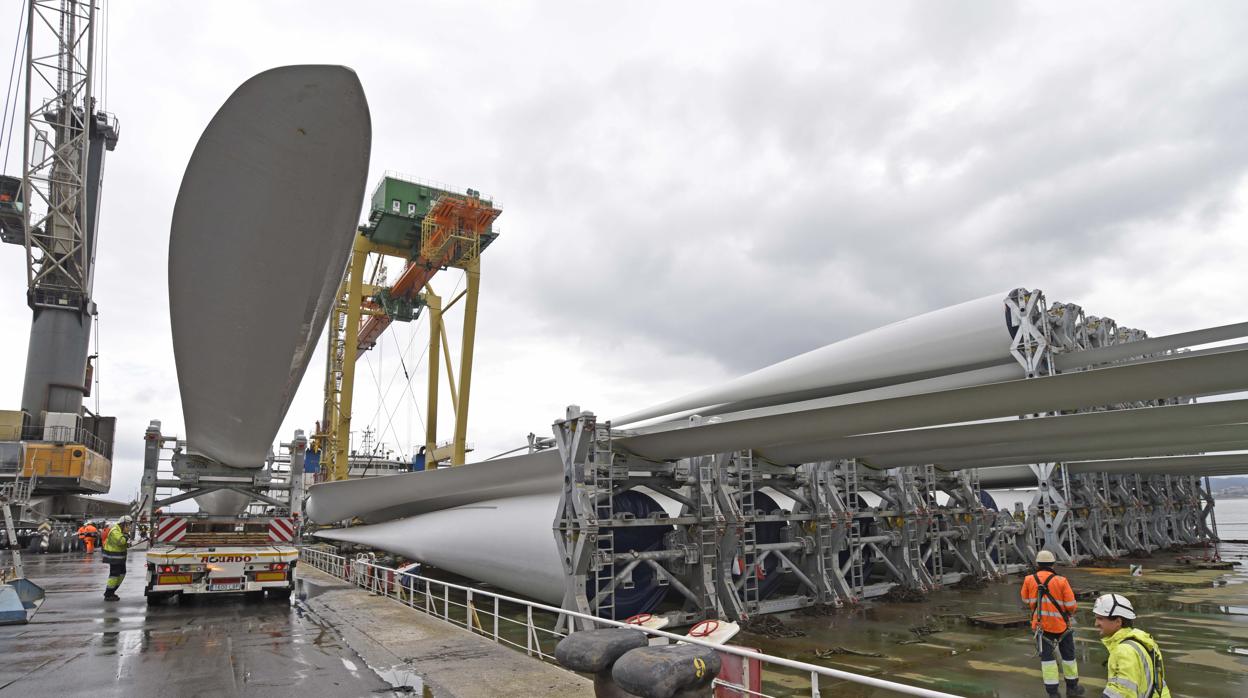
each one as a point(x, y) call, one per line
point(110, 596)
point(1074, 689)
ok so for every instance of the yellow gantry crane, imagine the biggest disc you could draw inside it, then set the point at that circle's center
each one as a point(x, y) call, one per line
point(431, 229)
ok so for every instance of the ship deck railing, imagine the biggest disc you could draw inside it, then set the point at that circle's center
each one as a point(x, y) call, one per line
point(530, 626)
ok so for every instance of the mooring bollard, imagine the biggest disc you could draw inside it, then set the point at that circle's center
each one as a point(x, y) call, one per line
point(668, 671)
point(596, 652)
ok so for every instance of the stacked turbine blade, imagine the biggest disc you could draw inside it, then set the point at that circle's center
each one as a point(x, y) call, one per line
point(946, 388)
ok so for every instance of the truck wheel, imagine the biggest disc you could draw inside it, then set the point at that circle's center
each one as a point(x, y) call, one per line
point(275, 594)
point(158, 598)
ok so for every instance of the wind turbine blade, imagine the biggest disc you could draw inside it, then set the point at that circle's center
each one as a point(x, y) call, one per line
point(261, 232)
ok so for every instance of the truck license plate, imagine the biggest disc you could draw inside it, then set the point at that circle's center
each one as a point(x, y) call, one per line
point(237, 586)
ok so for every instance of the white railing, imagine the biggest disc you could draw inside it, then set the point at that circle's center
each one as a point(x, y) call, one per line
point(519, 623)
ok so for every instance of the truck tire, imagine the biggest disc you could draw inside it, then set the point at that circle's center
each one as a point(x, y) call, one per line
point(158, 598)
point(275, 594)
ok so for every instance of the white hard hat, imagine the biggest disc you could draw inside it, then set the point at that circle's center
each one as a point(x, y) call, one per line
point(1113, 605)
point(1044, 556)
point(125, 520)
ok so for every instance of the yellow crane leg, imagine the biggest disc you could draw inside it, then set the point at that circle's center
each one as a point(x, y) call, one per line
point(433, 306)
point(324, 438)
point(340, 465)
point(473, 271)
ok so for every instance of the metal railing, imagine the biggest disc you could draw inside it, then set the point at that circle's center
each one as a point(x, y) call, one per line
point(57, 434)
point(530, 626)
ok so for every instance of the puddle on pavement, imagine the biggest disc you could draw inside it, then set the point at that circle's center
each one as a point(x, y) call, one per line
point(306, 589)
point(404, 680)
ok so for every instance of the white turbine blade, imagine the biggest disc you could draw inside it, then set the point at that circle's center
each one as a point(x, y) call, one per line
point(958, 338)
point(506, 542)
point(1147, 442)
point(261, 231)
point(1208, 464)
point(1205, 374)
point(398, 496)
point(1013, 431)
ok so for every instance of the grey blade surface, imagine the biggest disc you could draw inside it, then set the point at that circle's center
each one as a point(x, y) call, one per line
point(1183, 375)
point(261, 232)
point(1014, 430)
point(1148, 441)
point(1210, 464)
point(396, 496)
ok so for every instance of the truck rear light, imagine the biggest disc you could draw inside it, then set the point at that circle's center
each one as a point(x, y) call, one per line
point(168, 568)
point(278, 566)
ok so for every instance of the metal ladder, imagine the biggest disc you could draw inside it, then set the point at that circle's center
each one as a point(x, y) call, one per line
point(937, 544)
point(708, 533)
point(857, 576)
point(15, 496)
point(749, 540)
point(602, 484)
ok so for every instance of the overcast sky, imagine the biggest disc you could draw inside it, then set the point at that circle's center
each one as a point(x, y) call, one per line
point(691, 191)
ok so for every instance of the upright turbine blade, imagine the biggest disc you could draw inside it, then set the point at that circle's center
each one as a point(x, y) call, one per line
point(261, 232)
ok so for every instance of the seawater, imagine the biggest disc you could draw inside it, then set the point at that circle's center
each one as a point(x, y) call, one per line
point(1232, 517)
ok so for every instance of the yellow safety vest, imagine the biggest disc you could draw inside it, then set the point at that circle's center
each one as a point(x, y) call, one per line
point(1136, 669)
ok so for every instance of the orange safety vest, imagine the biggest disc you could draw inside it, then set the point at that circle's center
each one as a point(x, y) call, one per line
point(1049, 611)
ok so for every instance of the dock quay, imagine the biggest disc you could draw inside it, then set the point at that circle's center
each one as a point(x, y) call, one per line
point(332, 639)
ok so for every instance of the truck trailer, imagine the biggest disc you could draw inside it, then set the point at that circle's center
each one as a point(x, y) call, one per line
point(254, 552)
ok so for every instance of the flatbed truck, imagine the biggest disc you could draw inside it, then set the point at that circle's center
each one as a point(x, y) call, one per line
point(254, 553)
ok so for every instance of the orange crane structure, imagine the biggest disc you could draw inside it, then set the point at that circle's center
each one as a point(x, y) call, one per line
point(432, 229)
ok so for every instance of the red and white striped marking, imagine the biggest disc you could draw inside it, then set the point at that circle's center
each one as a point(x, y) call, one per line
point(281, 530)
point(171, 529)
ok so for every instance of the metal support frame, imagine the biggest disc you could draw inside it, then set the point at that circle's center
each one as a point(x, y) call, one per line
point(831, 549)
point(59, 253)
point(171, 475)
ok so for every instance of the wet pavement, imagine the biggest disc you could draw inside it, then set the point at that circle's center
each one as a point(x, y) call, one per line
point(333, 639)
point(78, 645)
point(1200, 619)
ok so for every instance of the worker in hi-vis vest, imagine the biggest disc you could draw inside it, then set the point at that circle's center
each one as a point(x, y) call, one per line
point(87, 533)
point(1136, 669)
point(116, 545)
point(1052, 604)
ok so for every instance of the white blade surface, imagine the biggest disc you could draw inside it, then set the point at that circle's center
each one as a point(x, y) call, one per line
point(507, 542)
point(1190, 375)
point(1058, 429)
point(963, 336)
point(261, 232)
point(397, 496)
point(1210, 464)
